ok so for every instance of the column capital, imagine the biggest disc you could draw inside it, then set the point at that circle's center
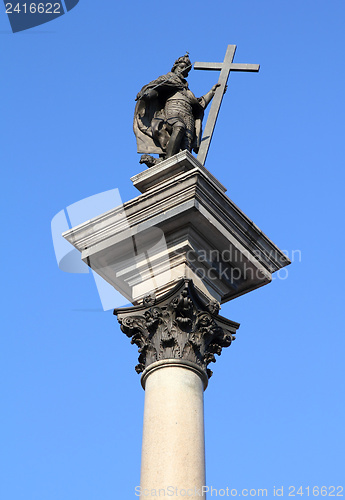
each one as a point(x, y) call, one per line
point(180, 325)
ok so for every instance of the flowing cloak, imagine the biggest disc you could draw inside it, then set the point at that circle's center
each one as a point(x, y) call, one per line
point(149, 118)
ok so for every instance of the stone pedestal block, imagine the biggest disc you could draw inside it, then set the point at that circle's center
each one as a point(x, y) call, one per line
point(181, 226)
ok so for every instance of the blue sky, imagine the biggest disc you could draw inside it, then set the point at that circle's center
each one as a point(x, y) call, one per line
point(72, 403)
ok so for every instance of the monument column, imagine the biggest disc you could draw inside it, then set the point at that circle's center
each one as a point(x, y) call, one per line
point(173, 448)
point(178, 336)
point(184, 242)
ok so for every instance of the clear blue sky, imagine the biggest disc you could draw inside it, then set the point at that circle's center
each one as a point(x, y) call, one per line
point(72, 404)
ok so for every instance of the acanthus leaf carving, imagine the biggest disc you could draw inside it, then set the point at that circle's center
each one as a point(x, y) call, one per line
point(179, 328)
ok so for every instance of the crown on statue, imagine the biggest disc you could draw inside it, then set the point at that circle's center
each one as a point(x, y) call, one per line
point(183, 59)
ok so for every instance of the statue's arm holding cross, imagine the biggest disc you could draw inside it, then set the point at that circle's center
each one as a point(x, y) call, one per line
point(225, 67)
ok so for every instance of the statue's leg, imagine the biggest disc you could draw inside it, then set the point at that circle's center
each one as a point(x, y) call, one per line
point(187, 141)
point(162, 135)
point(175, 140)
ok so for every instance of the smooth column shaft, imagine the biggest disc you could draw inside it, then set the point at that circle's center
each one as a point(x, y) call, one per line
point(173, 449)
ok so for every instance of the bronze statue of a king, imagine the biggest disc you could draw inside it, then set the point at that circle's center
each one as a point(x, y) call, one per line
point(168, 116)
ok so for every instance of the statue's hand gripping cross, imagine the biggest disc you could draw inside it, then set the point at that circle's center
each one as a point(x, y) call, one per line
point(225, 67)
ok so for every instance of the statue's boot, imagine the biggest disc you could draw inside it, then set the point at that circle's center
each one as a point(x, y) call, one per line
point(174, 143)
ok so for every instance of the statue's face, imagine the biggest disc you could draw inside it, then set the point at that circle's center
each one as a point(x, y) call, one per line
point(182, 69)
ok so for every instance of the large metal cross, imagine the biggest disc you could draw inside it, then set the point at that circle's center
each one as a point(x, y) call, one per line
point(225, 67)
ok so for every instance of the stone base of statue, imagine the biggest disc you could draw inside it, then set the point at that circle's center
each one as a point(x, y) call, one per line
point(176, 252)
point(182, 226)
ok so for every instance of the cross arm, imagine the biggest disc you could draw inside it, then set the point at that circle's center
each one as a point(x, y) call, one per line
point(233, 66)
point(225, 68)
point(208, 66)
point(244, 67)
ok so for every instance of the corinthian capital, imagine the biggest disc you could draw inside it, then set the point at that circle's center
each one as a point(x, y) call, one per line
point(180, 326)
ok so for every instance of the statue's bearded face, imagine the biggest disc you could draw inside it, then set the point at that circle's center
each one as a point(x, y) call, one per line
point(182, 69)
